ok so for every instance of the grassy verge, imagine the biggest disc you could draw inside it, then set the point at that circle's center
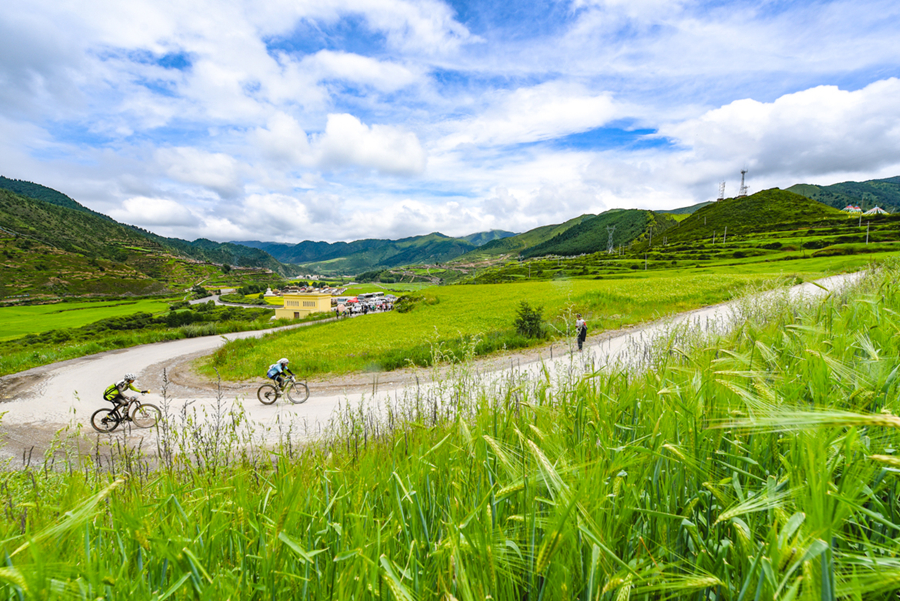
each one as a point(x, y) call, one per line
point(126, 331)
point(20, 320)
point(459, 316)
point(760, 466)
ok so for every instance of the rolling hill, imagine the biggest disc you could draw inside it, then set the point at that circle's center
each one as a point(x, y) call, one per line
point(592, 235)
point(765, 210)
point(518, 243)
point(59, 221)
point(884, 193)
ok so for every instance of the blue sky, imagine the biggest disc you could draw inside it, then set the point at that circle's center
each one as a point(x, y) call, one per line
point(236, 120)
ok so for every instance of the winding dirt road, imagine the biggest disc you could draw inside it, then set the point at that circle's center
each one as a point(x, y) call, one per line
point(39, 402)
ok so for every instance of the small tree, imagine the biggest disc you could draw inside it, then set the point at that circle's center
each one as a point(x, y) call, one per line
point(529, 322)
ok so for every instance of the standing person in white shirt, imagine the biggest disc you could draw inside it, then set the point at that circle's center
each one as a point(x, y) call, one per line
point(580, 330)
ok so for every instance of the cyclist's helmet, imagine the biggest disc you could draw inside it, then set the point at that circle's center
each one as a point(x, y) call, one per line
point(130, 377)
point(283, 361)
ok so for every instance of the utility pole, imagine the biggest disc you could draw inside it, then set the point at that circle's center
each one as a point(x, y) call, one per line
point(725, 235)
point(867, 232)
point(714, 236)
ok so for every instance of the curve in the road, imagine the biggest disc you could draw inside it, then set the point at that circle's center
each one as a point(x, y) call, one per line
point(52, 396)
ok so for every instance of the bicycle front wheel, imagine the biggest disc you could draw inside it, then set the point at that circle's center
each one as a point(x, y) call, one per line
point(104, 420)
point(146, 416)
point(267, 394)
point(298, 393)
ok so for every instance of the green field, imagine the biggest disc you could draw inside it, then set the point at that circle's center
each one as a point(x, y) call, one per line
point(22, 320)
point(447, 314)
point(758, 466)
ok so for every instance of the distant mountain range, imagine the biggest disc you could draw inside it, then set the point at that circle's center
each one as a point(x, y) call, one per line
point(60, 221)
point(365, 255)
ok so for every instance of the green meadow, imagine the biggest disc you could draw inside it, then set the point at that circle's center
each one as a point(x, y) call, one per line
point(453, 315)
point(761, 465)
point(21, 320)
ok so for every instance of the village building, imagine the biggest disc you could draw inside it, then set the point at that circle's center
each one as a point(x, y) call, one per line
point(300, 304)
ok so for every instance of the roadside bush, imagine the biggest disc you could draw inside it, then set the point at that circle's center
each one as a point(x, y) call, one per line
point(529, 322)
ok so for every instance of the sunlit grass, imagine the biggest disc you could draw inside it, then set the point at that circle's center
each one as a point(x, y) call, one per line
point(20, 320)
point(756, 466)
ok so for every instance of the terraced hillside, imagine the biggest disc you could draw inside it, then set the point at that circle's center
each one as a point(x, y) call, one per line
point(766, 210)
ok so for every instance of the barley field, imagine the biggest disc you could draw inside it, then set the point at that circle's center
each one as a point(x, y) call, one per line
point(759, 465)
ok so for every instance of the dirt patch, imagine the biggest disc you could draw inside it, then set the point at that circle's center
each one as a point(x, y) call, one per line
point(12, 387)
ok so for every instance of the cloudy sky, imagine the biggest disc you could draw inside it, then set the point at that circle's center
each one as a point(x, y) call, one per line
point(291, 120)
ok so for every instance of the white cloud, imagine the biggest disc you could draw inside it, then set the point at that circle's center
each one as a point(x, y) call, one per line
point(147, 212)
point(381, 75)
point(284, 141)
point(533, 114)
point(806, 134)
point(347, 142)
point(215, 171)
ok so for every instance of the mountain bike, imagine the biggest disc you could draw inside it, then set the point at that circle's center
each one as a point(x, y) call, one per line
point(142, 415)
point(296, 392)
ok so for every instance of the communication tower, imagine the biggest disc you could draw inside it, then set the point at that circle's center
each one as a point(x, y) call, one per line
point(721, 192)
point(743, 191)
point(610, 247)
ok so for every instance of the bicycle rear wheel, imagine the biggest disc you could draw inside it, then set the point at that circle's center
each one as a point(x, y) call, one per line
point(104, 420)
point(267, 394)
point(146, 416)
point(298, 393)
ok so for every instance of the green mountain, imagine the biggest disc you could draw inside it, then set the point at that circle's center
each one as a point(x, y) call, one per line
point(82, 230)
point(513, 245)
point(365, 255)
point(482, 238)
point(69, 229)
point(884, 193)
point(375, 254)
point(592, 235)
point(766, 210)
point(39, 192)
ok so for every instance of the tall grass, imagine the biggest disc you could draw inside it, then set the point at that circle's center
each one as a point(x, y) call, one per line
point(758, 465)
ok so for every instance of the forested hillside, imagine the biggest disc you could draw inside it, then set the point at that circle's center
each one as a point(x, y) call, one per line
point(58, 220)
point(884, 193)
point(592, 235)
